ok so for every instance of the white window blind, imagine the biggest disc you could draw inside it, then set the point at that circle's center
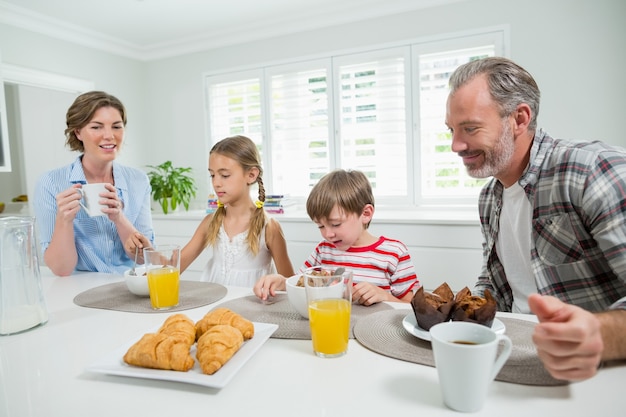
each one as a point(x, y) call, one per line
point(442, 171)
point(235, 107)
point(300, 141)
point(380, 111)
point(372, 115)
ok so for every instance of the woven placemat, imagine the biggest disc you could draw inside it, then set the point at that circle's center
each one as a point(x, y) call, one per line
point(291, 325)
point(116, 296)
point(383, 333)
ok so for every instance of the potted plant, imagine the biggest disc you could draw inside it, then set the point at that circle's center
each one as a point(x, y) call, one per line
point(171, 186)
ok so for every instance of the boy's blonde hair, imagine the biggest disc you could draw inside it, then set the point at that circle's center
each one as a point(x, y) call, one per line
point(349, 190)
point(245, 152)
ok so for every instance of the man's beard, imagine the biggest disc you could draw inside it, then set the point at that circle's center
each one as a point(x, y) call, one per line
point(497, 158)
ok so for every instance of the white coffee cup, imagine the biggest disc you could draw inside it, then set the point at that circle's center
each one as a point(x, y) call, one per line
point(91, 198)
point(465, 357)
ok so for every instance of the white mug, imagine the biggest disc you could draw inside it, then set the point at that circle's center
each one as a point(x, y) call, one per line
point(91, 197)
point(465, 357)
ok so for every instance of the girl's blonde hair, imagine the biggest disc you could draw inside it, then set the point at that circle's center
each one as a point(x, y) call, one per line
point(245, 152)
point(349, 190)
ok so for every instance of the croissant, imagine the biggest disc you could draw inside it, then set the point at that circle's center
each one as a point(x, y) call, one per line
point(224, 316)
point(159, 351)
point(216, 346)
point(179, 326)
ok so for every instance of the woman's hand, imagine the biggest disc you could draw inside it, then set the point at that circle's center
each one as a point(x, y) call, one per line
point(115, 207)
point(68, 204)
point(136, 241)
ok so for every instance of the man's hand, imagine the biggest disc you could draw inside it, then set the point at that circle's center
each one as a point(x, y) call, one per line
point(568, 338)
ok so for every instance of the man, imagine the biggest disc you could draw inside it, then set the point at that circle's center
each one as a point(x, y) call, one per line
point(553, 218)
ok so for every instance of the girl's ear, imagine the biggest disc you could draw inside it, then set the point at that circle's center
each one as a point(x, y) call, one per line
point(253, 173)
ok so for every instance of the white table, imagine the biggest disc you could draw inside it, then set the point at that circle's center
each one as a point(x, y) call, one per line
point(42, 373)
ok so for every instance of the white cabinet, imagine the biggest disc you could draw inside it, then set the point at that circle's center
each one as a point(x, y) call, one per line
point(441, 249)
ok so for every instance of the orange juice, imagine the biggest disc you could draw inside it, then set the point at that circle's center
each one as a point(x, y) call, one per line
point(330, 326)
point(163, 284)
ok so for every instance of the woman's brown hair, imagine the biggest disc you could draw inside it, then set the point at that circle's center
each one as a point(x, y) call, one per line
point(81, 112)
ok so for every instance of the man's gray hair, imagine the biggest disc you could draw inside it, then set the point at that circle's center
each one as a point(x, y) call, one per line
point(509, 84)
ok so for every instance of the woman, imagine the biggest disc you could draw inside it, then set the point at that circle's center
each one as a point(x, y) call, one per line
point(71, 239)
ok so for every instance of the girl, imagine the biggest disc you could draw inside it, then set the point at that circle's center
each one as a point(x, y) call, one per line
point(244, 239)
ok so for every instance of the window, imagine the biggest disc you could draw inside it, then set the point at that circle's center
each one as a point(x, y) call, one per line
point(442, 173)
point(380, 111)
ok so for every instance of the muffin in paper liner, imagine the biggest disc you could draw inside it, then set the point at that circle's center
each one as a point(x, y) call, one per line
point(475, 309)
point(432, 308)
point(441, 305)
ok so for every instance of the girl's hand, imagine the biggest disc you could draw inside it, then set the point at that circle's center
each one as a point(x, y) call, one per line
point(267, 286)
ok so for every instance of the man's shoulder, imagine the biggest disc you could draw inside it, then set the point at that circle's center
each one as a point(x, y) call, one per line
point(582, 149)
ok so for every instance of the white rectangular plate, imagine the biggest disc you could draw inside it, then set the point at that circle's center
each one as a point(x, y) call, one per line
point(113, 363)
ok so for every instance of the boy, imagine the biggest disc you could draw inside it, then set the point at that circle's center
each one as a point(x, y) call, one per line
point(342, 206)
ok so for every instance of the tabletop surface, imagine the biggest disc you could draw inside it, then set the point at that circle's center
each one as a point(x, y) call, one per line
point(43, 373)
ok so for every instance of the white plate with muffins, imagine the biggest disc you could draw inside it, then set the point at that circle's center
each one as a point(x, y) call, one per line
point(410, 324)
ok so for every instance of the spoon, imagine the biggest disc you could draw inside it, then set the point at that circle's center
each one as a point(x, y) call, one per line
point(132, 271)
point(339, 271)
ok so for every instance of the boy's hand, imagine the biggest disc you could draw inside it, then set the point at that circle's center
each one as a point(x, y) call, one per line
point(367, 294)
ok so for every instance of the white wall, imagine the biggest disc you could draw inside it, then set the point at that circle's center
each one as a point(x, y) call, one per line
point(42, 123)
point(574, 48)
point(12, 183)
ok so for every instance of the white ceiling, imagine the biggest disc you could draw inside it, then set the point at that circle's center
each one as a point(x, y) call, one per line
point(151, 29)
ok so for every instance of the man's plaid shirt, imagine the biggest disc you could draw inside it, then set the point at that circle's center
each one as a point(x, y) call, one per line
point(578, 244)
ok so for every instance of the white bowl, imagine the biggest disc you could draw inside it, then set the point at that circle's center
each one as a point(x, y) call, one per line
point(138, 285)
point(297, 296)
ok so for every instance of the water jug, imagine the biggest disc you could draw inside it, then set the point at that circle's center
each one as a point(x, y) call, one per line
point(22, 304)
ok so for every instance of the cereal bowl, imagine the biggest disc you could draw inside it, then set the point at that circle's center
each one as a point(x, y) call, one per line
point(138, 284)
point(297, 296)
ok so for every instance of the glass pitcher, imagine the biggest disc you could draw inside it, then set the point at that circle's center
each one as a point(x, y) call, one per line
point(22, 305)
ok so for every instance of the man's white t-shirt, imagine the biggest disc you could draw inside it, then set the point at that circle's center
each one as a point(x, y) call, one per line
point(513, 245)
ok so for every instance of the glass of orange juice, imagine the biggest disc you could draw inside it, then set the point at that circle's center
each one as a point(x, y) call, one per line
point(163, 270)
point(329, 296)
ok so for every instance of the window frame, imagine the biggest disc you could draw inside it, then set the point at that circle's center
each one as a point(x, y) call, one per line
point(413, 48)
point(497, 37)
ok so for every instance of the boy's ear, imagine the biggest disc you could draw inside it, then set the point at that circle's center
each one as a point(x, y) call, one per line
point(367, 213)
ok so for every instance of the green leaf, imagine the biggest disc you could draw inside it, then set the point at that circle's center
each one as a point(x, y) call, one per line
point(171, 186)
